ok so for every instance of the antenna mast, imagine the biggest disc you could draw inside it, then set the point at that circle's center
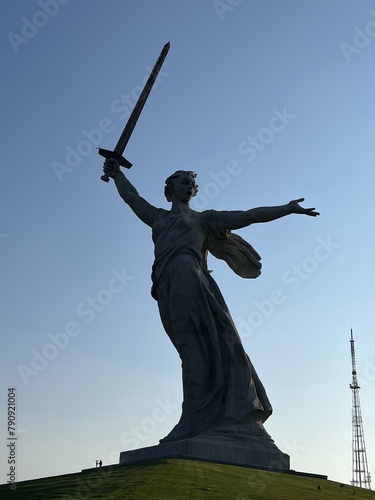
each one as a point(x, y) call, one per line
point(360, 474)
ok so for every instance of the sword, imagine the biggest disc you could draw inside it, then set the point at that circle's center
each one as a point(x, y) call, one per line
point(129, 127)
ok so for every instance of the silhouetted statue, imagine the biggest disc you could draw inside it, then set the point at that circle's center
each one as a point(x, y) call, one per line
point(222, 394)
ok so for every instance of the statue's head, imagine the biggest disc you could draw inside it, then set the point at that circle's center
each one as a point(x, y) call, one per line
point(169, 183)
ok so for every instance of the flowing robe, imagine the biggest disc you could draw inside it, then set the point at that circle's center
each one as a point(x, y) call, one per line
point(220, 384)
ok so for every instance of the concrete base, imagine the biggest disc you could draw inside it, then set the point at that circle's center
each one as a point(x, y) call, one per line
point(255, 451)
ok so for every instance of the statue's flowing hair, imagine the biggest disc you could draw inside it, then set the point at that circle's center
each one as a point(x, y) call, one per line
point(169, 183)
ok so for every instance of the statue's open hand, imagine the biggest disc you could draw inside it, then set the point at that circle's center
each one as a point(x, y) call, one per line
point(297, 209)
point(111, 167)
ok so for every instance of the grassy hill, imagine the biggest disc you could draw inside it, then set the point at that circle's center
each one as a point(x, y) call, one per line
point(180, 480)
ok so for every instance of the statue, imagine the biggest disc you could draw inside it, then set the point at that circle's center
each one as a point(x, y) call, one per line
point(222, 393)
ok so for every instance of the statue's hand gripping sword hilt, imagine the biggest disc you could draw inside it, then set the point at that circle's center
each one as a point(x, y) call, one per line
point(106, 153)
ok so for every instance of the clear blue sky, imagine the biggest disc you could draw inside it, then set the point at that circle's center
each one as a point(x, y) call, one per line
point(267, 101)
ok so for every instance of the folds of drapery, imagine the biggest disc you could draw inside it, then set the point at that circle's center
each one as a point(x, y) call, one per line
point(240, 256)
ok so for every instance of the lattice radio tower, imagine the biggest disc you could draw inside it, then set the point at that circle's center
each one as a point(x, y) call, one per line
point(360, 474)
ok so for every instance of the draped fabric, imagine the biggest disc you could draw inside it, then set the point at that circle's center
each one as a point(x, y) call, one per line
point(220, 384)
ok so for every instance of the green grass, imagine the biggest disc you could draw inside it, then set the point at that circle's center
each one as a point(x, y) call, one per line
point(180, 480)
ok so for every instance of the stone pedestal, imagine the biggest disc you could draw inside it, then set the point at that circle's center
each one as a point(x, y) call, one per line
point(255, 449)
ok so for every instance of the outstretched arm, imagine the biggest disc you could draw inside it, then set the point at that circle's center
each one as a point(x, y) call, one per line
point(142, 208)
point(238, 219)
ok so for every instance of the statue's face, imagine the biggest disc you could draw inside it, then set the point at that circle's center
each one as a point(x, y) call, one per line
point(183, 188)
